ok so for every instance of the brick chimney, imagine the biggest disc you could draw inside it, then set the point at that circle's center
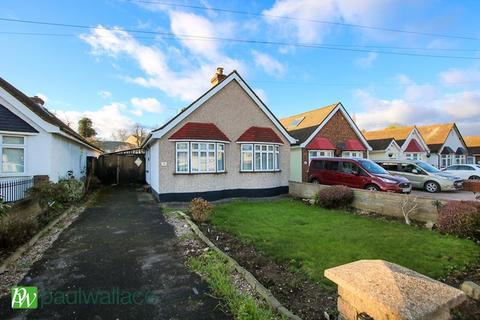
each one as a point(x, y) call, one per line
point(218, 77)
point(38, 100)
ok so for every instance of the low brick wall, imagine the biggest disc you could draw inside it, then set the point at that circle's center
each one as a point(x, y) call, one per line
point(388, 204)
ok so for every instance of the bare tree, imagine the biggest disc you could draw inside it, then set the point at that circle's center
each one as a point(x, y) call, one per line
point(121, 134)
point(140, 133)
point(409, 207)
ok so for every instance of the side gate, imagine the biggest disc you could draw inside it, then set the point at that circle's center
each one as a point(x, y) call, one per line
point(122, 167)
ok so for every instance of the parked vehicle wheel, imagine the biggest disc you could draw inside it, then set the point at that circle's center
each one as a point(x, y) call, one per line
point(474, 178)
point(315, 181)
point(372, 187)
point(432, 187)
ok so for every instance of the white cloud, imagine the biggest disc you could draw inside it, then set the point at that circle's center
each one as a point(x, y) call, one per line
point(146, 105)
point(420, 104)
point(269, 64)
point(186, 83)
point(366, 12)
point(105, 94)
point(367, 61)
point(106, 120)
point(261, 94)
point(460, 77)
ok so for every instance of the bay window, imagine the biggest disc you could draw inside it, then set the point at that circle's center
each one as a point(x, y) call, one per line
point(200, 157)
point(315, 154)
point(13, 154)
point(352, 154)
point(259, 157)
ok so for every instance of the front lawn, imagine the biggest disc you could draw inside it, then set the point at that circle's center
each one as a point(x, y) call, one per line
point(312, 239)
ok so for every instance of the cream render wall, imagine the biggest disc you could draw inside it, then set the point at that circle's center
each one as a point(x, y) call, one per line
point(233, 112)
point(296, 164)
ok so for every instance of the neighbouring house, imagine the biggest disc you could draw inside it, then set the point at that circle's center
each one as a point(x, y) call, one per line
point(446, 145)
point(33, 141)
point(226, 144)
point(323, 132)
point(114, 146)
point(397, 143)
point(473, 145)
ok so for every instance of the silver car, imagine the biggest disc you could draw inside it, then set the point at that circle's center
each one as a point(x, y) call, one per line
point(423, 175)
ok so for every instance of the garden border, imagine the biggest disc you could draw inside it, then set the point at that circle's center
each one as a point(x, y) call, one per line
point(22, 249)
point(256, 285)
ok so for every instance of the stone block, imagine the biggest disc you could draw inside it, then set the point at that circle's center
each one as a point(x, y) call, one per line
point(471, 289)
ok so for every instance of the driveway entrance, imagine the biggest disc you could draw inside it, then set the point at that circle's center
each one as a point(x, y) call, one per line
point(120, 244)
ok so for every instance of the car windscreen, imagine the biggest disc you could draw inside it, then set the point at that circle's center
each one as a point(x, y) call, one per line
point(372, 167)
point(425, 166)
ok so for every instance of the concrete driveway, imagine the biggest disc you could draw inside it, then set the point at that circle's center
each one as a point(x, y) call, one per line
point(451, 195)
point(122, 252)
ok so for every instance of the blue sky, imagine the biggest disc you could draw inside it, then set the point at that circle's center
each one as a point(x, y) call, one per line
point(120, 77)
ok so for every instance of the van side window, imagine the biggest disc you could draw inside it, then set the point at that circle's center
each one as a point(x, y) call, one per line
point(318, 164)
point(349, 168)
point(389, 166)
point(331, 165)
point(407, 167)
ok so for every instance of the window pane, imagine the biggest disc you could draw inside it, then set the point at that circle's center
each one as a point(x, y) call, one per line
point(195, 159)
point(264, 161)
point(221, 147)
point(203, 161)
point(13, 160)
point(257, 147)
point(247, 147)
point(194, 146)
point(12, 140)
point(270, 148)
point(258, 161)
point(211, 146)
point(211, 161)
point(220, 161)
point(182, 161)
point(270, 161)
point(247, 161)
point(182, 146)
point(277, 162)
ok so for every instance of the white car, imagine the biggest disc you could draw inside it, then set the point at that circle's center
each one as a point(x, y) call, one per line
point(464, 171)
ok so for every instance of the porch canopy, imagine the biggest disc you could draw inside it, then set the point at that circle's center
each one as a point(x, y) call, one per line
point(320, 143)
point(414, 146)
point(199, 131)
point(447, 150)
point(352, 145)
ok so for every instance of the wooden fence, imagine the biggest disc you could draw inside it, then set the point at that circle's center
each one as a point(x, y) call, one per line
point(384, 203)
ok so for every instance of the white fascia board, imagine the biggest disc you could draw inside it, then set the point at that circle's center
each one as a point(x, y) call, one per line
point(350, 122)
point(19, 133)
point(234, 76)
point(26, 112)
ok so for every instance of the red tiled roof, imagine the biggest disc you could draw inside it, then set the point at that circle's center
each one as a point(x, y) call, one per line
point(320, 143)
point(199, 131)
point(353, 145)
point(414, 146)
point(259, 134)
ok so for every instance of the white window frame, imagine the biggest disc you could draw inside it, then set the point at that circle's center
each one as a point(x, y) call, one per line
point(177, 151)
point(352, 154)
point(317, 154)
point(460, 159)
point(13, 146)
point(191, 150)
point(266, 149)
point(413, 156)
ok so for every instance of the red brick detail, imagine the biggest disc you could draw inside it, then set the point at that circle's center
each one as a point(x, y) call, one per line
point(260, 134)
point(320, 143)
point(414, 146)
point(199, 131)
point(338, 131)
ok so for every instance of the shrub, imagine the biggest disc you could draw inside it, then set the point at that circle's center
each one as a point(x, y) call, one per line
point(461, 218)
point(56, 195)
point(335, 197)
point(3, 208)
point(15, 231)
point(200, 210)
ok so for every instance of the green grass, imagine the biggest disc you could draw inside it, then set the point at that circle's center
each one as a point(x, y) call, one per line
point(217, 271)
point(312, 239)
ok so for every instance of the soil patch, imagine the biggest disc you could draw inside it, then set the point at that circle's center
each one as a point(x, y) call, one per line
point(470, 309)
point(303, 297)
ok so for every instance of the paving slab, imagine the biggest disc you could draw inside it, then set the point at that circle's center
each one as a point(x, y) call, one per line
point(118, 248)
